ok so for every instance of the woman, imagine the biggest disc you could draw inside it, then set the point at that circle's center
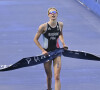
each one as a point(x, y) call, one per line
point(52, 30)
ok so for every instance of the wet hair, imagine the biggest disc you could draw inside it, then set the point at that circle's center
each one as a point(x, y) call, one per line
point(52, 8)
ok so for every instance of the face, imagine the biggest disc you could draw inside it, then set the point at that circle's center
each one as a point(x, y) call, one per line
point(53, 14)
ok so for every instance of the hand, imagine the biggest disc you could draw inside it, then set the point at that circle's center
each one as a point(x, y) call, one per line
point(65, 47)
point(45, 53)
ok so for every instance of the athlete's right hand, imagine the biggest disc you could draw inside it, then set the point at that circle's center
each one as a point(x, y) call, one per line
point(45, 53)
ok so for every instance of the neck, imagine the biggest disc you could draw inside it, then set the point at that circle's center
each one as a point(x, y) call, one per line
point(53, 22)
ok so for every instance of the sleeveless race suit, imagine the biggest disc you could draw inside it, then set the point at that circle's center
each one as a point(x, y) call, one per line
point(50, 37)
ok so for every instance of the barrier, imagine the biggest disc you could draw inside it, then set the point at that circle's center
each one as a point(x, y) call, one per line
point(94, 5)
point(98, 1)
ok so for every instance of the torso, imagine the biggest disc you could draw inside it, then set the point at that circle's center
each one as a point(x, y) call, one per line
point(50, 37)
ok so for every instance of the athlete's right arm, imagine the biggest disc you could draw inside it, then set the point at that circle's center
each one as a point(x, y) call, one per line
point(38, 34)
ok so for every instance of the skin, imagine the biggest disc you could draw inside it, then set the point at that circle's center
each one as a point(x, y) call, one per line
point(57, 61)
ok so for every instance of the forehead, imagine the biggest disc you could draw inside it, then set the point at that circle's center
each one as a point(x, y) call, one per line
point(52, 10)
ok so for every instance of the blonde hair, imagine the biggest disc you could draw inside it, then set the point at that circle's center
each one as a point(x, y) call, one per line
point(52, 8)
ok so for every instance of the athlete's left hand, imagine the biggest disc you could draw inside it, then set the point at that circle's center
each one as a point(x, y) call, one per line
point(65, 47)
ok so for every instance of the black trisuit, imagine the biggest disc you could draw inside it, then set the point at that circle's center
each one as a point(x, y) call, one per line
point(50, 37)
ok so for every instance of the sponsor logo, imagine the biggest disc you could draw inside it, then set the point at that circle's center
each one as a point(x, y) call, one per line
point(49, 28)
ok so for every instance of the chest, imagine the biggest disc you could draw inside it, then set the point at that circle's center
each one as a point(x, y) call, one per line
point(52, 33)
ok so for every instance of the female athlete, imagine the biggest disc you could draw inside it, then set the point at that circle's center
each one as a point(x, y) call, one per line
point(52, 31)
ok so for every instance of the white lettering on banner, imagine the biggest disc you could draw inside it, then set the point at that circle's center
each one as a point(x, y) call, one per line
point(36, 59)
point(42, 57)
point(77, 53)
point(28, 60)
point(85, 54)
point(4, 66)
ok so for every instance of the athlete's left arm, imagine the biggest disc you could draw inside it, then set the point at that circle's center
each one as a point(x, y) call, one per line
point(61, 35)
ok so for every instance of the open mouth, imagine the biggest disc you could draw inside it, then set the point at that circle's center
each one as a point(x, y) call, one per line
point(53, 16)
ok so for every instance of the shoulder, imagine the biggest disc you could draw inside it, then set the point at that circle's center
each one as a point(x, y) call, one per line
point(42, 26)
point(61, 24)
